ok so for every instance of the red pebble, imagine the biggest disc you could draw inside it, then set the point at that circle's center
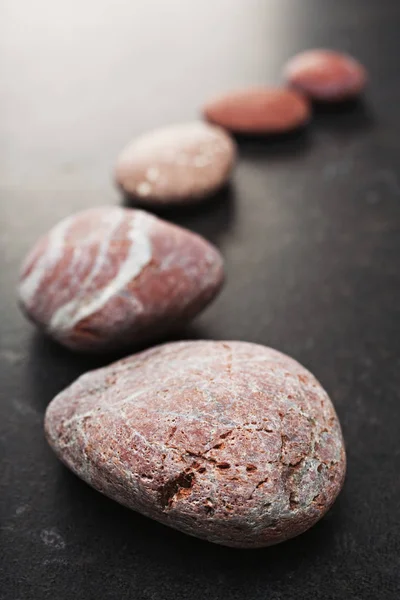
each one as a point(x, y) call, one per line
point(260, 110)
point(109, 277)
point(326, 75)
point(232, 442)
point(181, 163)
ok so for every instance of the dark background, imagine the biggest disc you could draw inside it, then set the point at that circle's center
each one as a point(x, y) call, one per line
point(311, 235)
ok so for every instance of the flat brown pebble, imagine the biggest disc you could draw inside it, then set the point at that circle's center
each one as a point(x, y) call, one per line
point(326, 75)
point(232, 442)
point(109, 277)
point(178, 164)
point(259, 110)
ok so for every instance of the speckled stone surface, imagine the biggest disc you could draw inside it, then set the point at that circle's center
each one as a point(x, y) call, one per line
point(109, 277)
point(177, 164)
point(326, 75)
point(258, 110)
point(232, 442)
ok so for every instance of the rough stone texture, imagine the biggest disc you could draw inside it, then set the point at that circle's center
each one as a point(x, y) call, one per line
point(262, 110)
point(228, 441)
point(177, 164)
point(109, 277)
point(326, 75)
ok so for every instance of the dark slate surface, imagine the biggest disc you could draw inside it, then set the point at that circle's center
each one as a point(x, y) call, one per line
point(311, 234)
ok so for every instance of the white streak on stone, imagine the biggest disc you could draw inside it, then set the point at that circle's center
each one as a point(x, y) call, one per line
point(53, 253)
point(139, 255)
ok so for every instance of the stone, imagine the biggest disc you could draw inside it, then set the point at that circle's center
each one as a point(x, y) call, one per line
point(231, 442)
point(111, 277)
point(260, 110)
point(326, 75)
point(179, 164)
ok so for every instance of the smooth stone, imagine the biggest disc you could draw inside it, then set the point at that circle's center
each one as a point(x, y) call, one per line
point(326, 75)
point(179, 164)
point(109, 277)
point(232, 442)
point(259, 110)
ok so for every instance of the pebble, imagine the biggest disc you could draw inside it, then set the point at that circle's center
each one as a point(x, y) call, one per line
point(326, 75)
point(110, 277)
point(231, 442)
point(181, 163)
point(262, 110)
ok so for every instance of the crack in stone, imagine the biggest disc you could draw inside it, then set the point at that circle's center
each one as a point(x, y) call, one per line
point(259, 484)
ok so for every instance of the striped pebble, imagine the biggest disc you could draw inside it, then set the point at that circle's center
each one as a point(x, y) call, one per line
point(326, 75)
point(108, 277)
point(232, 442)
point(181, 163)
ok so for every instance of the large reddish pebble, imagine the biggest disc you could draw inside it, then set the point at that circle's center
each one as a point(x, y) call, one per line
point(232, 442)
point(109, 277)
point(326, 75)
point(258, 110)
point(178, 164)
